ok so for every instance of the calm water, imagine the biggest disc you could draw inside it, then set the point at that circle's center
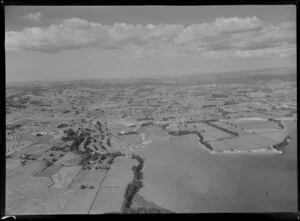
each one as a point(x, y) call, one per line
point(180, 175)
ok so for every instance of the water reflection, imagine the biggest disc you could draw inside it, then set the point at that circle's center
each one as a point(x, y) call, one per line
point(183, 177)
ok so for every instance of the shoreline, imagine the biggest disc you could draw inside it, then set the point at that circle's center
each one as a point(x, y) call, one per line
point(262, 119)
point(257, 151)
point(250, 118)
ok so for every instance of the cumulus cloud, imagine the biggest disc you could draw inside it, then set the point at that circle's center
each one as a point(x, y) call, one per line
point(34, 16)
point(245, 37)
point(281, 51)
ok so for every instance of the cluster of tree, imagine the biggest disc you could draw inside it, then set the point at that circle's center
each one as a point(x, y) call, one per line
point(40, 104)
point(194, 121)
point(147, 124)
point(173, 133)
point(128, 133)
point(277, 121)
point(108, 142)
point(13, 127)
point(144, 210)
point(219, 96)
point(70, 135)
point(136, 184)
point(229, 102)
point(76, 143)
point(73, 136)
point(144, 119)
point(202, 141)
point(210, 121)
point(102, 146)
point(164, 119)
point(114, 155)
point(86, 186)
point(64, 148)
point(48, 162)
point(224, 113)
point(26, 157)
point(211, 105)
point(20, 104)
point(223, 129)
point(87, 142)
point(88, 157)
point(99, 126)
point(261, 109)
point(164, 126)
point(283, 144)
point(62, 125)
point(201, 138)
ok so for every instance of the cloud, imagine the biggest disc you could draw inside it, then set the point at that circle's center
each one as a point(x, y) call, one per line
point(281, 51)
point(243, 37)
point(34, 16)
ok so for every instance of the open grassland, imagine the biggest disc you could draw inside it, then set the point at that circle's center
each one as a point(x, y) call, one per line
point(240, 144)
point(221, 146)
point(276, 136)
point(259, 140)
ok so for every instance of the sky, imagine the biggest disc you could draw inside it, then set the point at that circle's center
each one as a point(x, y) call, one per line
point(91, 42)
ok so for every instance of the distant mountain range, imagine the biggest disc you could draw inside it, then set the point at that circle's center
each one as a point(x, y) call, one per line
point(245, 76)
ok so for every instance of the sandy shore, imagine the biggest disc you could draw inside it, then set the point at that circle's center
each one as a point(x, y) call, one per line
point(287, 118)
point(251, 118)
point(257, 151)
point(262, 119)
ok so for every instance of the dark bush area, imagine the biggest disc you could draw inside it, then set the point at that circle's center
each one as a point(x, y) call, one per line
point(194, 121)
point(277, 121)
point(229, 102)
point(145, 119)
point(48, 163)
point(108, 142)
point(128, 133)
point(117, 154)
point(70, 135)
point(185, 132)
point(223, 129)
point(283, 144)
point(62, 125)
point(87, 142)
point(76, 143)
point(13, 127)
point(212, 105)
point(164, 126)
point(136, 184)
point(28, 157)
point(147, 124)
point(144, 210)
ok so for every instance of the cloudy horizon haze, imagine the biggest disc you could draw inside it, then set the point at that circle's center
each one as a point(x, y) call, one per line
point(52, 43)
